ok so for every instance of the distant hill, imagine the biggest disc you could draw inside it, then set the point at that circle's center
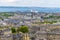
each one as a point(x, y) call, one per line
point(27, 9)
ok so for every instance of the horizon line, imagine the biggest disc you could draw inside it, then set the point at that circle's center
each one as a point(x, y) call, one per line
point(29, 6)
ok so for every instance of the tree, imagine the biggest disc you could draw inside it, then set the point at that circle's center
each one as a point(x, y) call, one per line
point(24, 29)
point(13, 30)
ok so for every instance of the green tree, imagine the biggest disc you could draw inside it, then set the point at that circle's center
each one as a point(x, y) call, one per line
point(13, 30)
point(24, 29)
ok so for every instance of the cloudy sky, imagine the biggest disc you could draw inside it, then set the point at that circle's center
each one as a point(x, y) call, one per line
point(31, 3)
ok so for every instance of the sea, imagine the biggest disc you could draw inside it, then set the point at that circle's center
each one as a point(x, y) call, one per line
point(27, 9)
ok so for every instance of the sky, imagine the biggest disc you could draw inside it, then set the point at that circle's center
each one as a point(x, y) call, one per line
point(30, 3)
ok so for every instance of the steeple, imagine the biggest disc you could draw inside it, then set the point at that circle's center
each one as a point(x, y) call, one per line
point(25, 37)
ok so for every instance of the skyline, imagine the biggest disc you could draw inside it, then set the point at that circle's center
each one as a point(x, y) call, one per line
point(30, 3)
